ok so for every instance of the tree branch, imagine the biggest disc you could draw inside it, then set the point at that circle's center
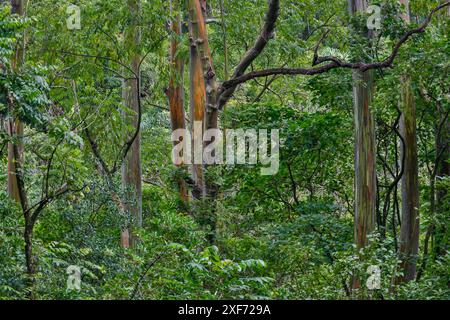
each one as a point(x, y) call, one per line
point(333, 61)
point(254, 51)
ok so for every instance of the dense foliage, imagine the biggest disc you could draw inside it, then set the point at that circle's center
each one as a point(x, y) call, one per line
point(288, 236)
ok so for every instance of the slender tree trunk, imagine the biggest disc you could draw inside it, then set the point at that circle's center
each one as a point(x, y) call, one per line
point(131, 169)
point(197, 105)
point(29, 258)
point(197, 15)
point(15, 131)
point(201, 39)
point(16, 188)
point(203, 79)
point(15, 126)
point(430, 229)
point(365, 179)
point(442, 172)
point(176, 92)
point(409, 232)
point(365, 173)
point(29, 225)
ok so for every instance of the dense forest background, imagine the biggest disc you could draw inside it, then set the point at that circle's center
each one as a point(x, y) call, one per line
point(93, 207)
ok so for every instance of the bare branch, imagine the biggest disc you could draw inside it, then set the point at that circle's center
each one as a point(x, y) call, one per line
point(254, 51)
point(334, 62)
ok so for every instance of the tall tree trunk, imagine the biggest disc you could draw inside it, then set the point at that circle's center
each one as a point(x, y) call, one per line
point(15, 126)
point(16, 189)
point(176, 92)
point(200, 35)
point(131, 168)
point(197, 13)
point(203, 82)
point(442, 172)
point(29, 258)
point(409, 232)
point(29, 220)
point(365, 172)
point(430, 229)
point(197, 105)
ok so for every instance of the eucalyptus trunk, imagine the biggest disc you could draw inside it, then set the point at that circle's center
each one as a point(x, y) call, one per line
point(14, 126)
point(131, 168)
point(197, 102)
point(409, 231)
point(365, 171)
point(197, 12)
point(442, 172)
point(176, 92)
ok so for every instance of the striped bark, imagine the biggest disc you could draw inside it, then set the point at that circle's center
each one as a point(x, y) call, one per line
point(176, 91)
point(197, 12)
point(409, 232)
point(14, 127)
point(200, 36)
point(131, 168)
point(197, 101)
point(365, 173)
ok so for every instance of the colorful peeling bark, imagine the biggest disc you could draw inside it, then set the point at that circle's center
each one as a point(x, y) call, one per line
point(365, 173)
point(197, 99)
point(409, 232)
point(365, 144)
point(200, 38)
point(131, 168)
point(176, 91)
point(14, 127)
